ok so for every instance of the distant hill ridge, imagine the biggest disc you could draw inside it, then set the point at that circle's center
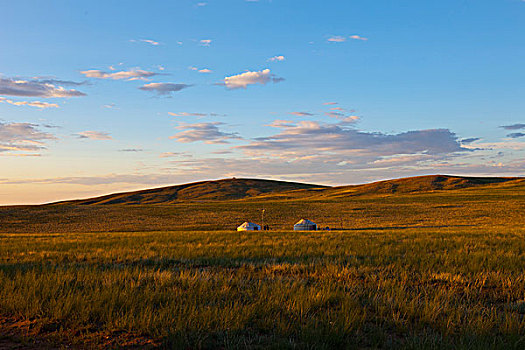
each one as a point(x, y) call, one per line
point(225, 189)
point(236, 189)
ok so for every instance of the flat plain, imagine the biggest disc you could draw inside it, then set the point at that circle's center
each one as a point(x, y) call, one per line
point(399, 269)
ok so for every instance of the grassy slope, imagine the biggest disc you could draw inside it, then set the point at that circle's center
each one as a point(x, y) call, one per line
point(235, 189)
point(226, 189)
point(495, 204)
point(414, 270)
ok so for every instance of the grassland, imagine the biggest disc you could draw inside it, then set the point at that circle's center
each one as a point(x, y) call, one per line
point(429, 270)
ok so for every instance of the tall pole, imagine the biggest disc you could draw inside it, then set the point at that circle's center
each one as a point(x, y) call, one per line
point(262, 218)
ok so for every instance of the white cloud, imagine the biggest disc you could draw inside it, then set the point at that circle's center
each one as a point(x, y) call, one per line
point(164, 88)
point(342, 116)
point(22, 137)
point(502, 145)
point(205, 42)
point(147, 41)
point(186, 114)
point(174, 154)
point(276, 58)
point(205, 132)
point(250, 78)
point(302, 114)
point(35, 88)
point(133, 74)
point(357, 37)
point(94, 135)
point(337, 39)
point(201, 4)
point(37, 104)
point(203, 70)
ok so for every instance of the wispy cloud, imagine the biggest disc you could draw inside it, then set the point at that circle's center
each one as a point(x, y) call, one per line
point(302, 114)
point(100, 180)
point(174, 154)
point(132, 150)
point(357, 37)
point(94, 135)
point(276, 58)
point(250, 78)
point(341, 39)
point(343, 117)
point(186, 114)
point(513, 126)
point(200, 70)
point(22, 137)
point(35, 88)
point(37, 104)
point(516, 135)
point(469, 140)
point(337, 39)
point(147, 41)
point(59, 82)
point(205, 132)
point(205, 42)
point(133, 74)
point(164, 88)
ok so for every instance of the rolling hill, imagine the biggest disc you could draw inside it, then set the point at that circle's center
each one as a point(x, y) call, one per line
point(419, 184)
point(226, 189)
point(246, 189)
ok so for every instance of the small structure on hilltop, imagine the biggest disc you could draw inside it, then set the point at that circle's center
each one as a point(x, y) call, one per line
point(305, 225)
point(249, 226)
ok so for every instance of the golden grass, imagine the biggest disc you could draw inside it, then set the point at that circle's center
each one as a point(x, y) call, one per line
point(435, 270)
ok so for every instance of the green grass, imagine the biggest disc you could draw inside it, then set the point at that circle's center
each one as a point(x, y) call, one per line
point(436, 270)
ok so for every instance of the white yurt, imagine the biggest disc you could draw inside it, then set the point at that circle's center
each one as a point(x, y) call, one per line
point(305, 225)
point(249, 226)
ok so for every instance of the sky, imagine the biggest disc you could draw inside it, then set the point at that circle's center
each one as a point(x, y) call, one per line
point(99, 97)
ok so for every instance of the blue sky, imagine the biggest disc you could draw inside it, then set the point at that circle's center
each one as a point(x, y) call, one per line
point(99, 97)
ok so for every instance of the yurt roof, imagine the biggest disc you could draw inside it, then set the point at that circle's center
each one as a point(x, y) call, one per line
point(305, 222)
point(248, 224)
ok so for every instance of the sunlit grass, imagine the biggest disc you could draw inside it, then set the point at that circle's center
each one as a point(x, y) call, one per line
point(375, 288)
point(435, 270)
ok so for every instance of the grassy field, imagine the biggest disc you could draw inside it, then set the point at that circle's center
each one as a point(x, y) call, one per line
point(431, 270)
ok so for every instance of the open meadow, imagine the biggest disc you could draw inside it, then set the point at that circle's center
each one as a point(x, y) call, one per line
point(443, 269)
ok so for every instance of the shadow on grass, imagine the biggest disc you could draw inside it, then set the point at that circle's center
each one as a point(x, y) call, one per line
point(184, 263)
